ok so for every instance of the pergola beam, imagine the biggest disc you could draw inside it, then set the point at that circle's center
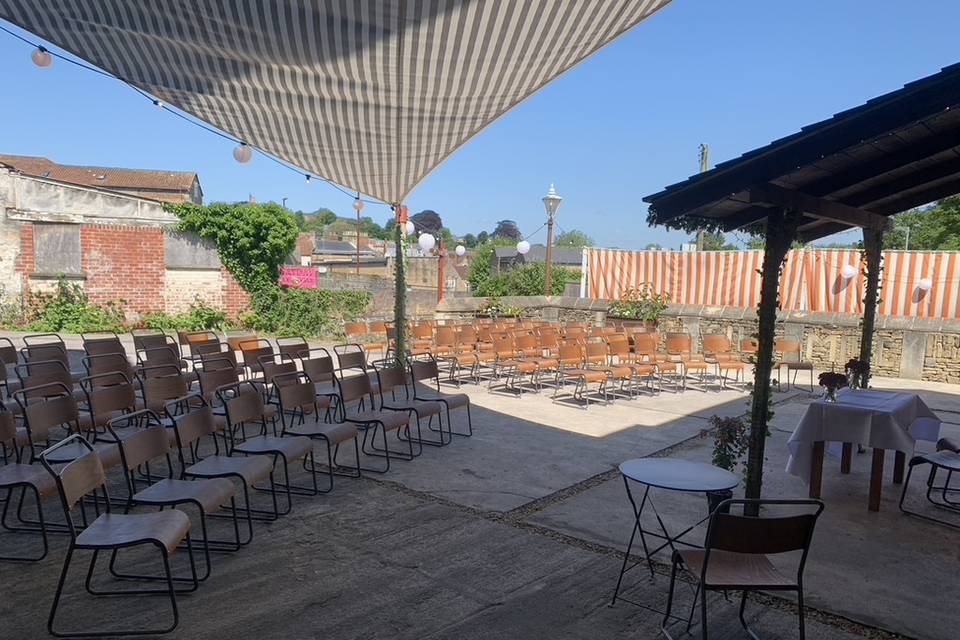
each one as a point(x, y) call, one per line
point(815, 207)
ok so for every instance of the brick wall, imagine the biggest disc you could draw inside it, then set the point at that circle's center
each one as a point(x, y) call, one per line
point(25, 262)
point(124, 263)
point(236, 301)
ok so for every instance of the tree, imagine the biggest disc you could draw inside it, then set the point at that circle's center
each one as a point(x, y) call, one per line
point(528, 280)
point(469, 241)
point(574, 238)
point(507, 229)
point(427, 221)
point(483, 237)
point(653, 246)
point(934, 229)
point(715, 241)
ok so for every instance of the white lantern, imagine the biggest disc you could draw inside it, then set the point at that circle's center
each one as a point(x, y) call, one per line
point(523, 247)
point(242, 153)
point(461, 250)
point(925, 284)
point(848, 271)
point(42, 58)
point(426, 241)
point(409, 227)
point(358, 205)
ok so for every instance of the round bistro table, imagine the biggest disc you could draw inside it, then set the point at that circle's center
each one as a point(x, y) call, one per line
point(672, 475)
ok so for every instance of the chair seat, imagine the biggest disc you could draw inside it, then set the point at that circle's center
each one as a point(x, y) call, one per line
point(422, 407)
point(13, 475)
point(588, 375)
point(290, 448)
point(802, 366)
point(696, 366)
point(727, 568)
point(333, 433)
point(948, 460)
point(111, 530)
point(325, 388)
point(546, 364)
point(389, 419)
point(210, 493)
point(522, 366)
point(251, 468)
point(109, 453)
point(452, 400)
point(731, 365)
point(620, 372)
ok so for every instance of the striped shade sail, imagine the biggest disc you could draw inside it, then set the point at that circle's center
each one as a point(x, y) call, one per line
point(371, 94)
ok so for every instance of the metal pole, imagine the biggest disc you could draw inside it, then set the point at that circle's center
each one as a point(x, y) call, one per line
point(358, 243)
point(549, 276)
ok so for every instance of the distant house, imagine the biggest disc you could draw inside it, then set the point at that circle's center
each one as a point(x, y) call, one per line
point(163, 186)
point(334, 251)
point(508, 258)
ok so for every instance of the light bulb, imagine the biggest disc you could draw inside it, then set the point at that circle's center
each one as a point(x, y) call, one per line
point(523, 247)
point(426, 241)
point(358, 205)
point(42, 58)
point(848, 271)
point(925, 284)
point(242, 153)
point(461, 250)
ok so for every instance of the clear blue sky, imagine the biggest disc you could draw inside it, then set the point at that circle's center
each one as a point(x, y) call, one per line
point(627, 122)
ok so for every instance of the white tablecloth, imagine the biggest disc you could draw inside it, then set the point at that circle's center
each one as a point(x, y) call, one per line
point(879, 419)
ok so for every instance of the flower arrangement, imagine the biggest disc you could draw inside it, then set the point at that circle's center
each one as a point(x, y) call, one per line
point(831, 381)
point(640, 303)
point(857, 371)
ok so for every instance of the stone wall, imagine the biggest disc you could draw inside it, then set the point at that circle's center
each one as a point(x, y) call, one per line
point(421, 303)
point(913, 348)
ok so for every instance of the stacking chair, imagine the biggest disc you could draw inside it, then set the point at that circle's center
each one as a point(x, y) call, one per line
point(736, 554)
point(16, 476)
point(8, 360)
point(217, 355)
point(56, 351)
point(718, 351)
point(159, 358)
point(161, 385)
point(424, 370)
point(105, 363)
point(510, 368)
point(360, 333)
point(790, 356)
point(946, 458)
point(352, 360)
point(101, 343)
point(571, 367)
point(244, 405)
point(292, 346)
point(356, 393)
point(108, 395)
point(318, 365)
point(273, 366)
point(251, 350)
point(597, 358)
point(618, 347)
point(152, 339)
point(39, 373)
point(300, 415)
point(193, 339)
point(111, 532)
point(531, 349)
point(193, 423)
point(395, 396)
point(646, 347)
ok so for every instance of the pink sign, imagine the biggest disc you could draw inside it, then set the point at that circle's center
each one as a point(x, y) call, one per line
point(298, 277)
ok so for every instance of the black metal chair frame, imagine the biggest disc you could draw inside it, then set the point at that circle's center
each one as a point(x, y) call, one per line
point(946, 458)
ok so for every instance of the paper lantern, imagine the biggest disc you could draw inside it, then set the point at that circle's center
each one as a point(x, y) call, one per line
point(461, 250)
point(848, 272)
point(523, 247)
point(426, 241)
point(925, 284)
point(42, 58)
point(242, 153)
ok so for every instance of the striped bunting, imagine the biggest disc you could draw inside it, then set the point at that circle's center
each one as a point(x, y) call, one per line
point(371, 94)
point(811, 279)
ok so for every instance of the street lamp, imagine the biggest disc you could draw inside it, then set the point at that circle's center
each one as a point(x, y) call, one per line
point(358, 207)
point(551, 203)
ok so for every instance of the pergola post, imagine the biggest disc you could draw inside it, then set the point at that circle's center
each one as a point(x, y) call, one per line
point(780, 233)
point(400, 290)
point(873, 251)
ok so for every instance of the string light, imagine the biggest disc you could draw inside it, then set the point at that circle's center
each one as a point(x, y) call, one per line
point(426, 241)
point(358, 205)
point(523, 247)
point(461, 250)
point(43, 58)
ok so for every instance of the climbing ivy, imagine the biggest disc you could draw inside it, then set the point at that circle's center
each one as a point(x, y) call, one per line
point(252, 239)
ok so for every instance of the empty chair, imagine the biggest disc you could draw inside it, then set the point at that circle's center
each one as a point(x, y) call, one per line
point(191, 339)
point(789, 354)
point(157, 359)
point(356, 395)
point(108, 363)
point(395, 396)
point(422, 371)
point(273, 366)
point(251, 350)
point(216, 355)
point(571, 366)
point(45, 352)
point(736, 554)
point(646, 346)
point(718, 350)
point(292, 346)
point(101, 343)
point(49, 413)
point(151, 339)
point(112, 532)
point(510, 367)
point(39, 373)
point(942, 496)
point(318, 366)
point(108, 396)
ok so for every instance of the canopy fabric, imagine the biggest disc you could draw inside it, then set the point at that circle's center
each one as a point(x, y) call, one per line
point(372, 95)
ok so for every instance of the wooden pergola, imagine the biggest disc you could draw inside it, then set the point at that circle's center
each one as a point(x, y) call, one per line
point(856, 169)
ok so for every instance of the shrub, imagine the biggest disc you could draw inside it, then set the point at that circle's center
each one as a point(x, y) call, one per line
point(730, 440)
point(640, 303)
point(69, 309)
point(199, 317)
point(528, 280)
point(305, 312)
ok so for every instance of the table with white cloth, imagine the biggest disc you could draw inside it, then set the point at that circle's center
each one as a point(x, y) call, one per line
point(879, 419)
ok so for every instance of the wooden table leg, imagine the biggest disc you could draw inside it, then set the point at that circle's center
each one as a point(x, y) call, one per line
point(899, 460)
point(846, 457)
point(876, 479)
point(816, 469)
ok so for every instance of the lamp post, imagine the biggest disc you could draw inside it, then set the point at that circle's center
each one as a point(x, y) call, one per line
point(551, 203)
point(358, 207)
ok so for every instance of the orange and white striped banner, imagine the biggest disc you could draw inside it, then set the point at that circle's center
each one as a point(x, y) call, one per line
point(811, 280)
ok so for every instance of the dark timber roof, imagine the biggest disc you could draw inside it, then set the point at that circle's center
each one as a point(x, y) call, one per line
point(897, 151)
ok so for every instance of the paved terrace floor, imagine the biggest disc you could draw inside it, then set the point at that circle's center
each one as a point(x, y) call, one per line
point(518, 533)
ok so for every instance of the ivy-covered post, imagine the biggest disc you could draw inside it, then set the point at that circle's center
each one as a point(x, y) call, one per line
point(873, 252)
point(780, 233)
point(400, 291)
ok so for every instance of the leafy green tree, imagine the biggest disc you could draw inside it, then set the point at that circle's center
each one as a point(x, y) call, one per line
point(528, 280)
point(653, 246)
point(574, 238)
point(481, 267)
point(469, 241)
point(934, 229)
point(715, 241)
point(253, 240)
point(507, 229)
point(427, 221)
point(482, 238)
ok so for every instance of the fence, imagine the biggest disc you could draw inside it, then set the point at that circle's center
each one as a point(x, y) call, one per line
point(812, 279)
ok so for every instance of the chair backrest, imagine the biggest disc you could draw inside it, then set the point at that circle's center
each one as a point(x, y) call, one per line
point(570, 355)
point(296, 393)
point(81, 476)
point(252, 351)
point(527, 343)
point(504, 347)
point(159, 390)
point(243, 403)
point(618, 344)
point(36, 339)
point(766, 535)
point(355, 329)
point(292, 346)
point(716, 343)
point(109, 392)
point(157, 356)
point(645, 344)
point(108, 363)
point(143, 341)
point(679, 343)
point(354, 388)
point(318, 365)
point(158, 371)
point(148, 442)
point(788, 348)
point(51, 351)
point(8, 352)
point(749, 345)
point(194, 423)
point(350, 358)
point(47, 406)
point(272, 368)
point(424, 370)
point(195, 338)
point(391, 377)
point(213, 379)
point(8, 426)
point(596, 353)
point(100, 345)
point(423, 331)
point(245, 340)
point(39, 373)
point(446, 337)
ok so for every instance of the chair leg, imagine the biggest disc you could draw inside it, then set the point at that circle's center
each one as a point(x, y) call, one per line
point(743, 621)
point(703, 613)
point(666, 614)
point(800, 613)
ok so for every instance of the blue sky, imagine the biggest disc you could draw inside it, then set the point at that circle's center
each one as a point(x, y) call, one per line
point(734, 74)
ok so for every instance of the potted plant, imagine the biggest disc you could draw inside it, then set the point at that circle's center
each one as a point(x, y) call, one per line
point(729, 444)
point(831, 381)
point(640, 303)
